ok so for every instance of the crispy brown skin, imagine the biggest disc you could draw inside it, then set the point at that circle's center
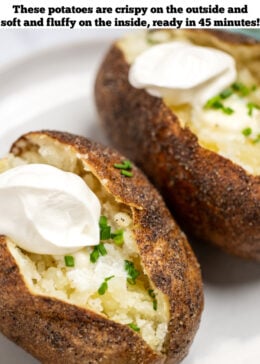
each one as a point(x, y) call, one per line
point(214, 199)
point(57, 332)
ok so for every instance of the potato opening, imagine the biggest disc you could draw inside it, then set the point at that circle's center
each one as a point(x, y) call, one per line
point(216, 130)
point(103, 286)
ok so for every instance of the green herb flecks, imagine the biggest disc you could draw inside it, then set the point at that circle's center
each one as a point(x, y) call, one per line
point(227, 110)
point(125, 167)
point(217, 104)
point(247, 132)
point(241, 89)
point(104, 286)
point(251, 106)
point(132, 272)
point(126, 173)
point(99, 250)
point(238, 88)
point(69, 261)
point(118, 237)
point(105, 229)
point(134, 327)
point(226, 93)
point(153, 296)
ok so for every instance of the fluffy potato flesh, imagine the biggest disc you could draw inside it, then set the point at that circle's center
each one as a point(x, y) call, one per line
point(212, 126)
point(137, 304)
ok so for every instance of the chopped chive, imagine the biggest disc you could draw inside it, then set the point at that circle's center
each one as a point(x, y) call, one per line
point(214, 102)
point(97, 252)
point(102, 221)
point(151, 293)
point(102, 249)
point(226, 93)
point(105, 233)
point(94, 255)
point(227, 110)
point(105, 229)
point(104, 286)
point(240, 88)
point(134, 327)
point(126, 173)
point(251, 106)
point(247, 131)
point(153, 296)
point(125, 165)
point(69, 261)
point(119, 166)
point(155, 305)
point(132, 272)
point(118, 237)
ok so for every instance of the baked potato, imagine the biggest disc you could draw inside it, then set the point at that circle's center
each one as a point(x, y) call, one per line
point(208, 175)
point(143, 298)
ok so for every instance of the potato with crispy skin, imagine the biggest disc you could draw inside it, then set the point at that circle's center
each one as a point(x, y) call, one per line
point(208, 178)
point(140, 301)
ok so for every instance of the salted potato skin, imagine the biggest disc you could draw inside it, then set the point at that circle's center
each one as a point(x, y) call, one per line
point(55, 331)
point(212, 198)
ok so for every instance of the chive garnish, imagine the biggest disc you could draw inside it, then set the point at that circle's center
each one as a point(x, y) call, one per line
point(226, 93)
point(69, 261)
point(155, 305)
point(104, 286)
point(126, 173)
point(151, 293)
point(240, 88)
point(102, 221)
point(97, 252)
point(247, 131)
point(118, 237)
point(227, 110)
point(105, 229)
point(251, 106)
point(153, 296)
point(216, 103)
point(131, 271)
point(102, 249)
point(105, 233)
point(134, 327)
point(126, 167)
point(94, 255)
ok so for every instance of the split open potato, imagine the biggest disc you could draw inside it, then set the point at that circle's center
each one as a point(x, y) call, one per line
point(139, 300)
point(209, 177)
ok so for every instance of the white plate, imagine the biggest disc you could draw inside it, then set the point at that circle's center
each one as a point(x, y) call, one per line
point(54, 89)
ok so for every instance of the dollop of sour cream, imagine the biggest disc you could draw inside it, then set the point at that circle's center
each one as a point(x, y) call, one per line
point(45, 210)
point(182, 72)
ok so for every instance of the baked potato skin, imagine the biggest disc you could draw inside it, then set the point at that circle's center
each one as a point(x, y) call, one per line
point(212, 198)
point(57, 332)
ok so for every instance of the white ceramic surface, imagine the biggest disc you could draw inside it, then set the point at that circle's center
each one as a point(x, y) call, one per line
point(54, 89)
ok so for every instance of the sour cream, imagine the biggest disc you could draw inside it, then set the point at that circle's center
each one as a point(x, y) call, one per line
point(183, 72)
point(45, 210)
